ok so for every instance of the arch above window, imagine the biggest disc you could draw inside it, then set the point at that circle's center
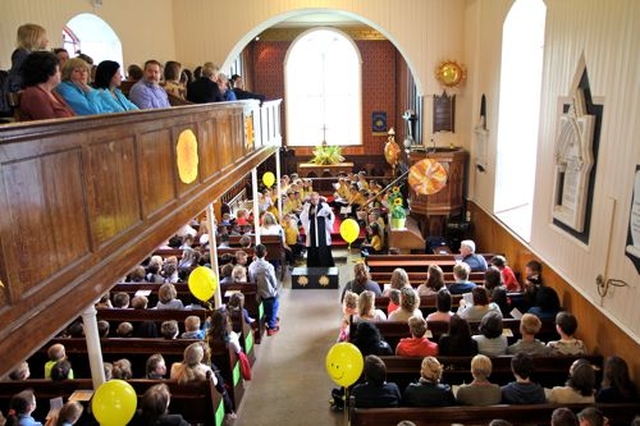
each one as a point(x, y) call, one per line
point(323, 89)
point(94, 37)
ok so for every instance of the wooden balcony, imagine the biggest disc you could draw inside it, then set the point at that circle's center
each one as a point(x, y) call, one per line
point(83, 200)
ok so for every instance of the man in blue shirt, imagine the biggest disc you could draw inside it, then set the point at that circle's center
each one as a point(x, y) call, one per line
point(147, 93)
point(468, 251)
point(461, 274)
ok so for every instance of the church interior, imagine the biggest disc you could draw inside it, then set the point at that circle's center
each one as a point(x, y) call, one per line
point(87, 199)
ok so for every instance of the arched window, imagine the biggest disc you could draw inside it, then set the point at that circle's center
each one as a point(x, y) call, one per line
point(323, 99)
point(520, 84)
point(94, 37)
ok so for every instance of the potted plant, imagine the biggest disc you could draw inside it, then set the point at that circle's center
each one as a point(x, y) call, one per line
point(327, 155)
point(397, 211)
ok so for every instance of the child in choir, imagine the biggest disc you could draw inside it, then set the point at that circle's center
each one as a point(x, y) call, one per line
point(373, 244)
point(566, 326)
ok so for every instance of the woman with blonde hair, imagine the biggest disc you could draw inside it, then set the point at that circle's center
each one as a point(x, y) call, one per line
point(367, 308)
point(409, 306)
point(270, 225)
point(399, 279)
point(30, 38)
point(361, 281)
point(192, 368)
point(239, 274)
point(435, 281)
point(75, 89)
point(428, 391)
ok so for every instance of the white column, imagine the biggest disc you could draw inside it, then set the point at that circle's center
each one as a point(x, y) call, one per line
point(278, 172)
point(213, 253)
point(256, 206)
point(89, 319)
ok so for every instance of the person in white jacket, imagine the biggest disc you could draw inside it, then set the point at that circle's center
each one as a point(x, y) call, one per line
point(317, 219)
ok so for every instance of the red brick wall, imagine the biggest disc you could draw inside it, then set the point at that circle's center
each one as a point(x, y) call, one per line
point(380, 86)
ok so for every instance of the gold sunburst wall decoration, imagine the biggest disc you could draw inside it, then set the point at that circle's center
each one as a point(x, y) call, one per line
point(187, 156)
point(303, 281)
point(450, 73)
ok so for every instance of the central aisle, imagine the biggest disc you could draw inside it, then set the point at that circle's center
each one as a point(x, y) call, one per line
point(290, 383)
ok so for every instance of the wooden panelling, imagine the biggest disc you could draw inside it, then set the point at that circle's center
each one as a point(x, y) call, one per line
point(209, 155)
point(114, 202)
point(158, 174)
point(86, 199)
point(601, 335)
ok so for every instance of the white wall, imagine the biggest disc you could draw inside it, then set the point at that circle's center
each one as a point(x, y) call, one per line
point(425, 32)
point(145, 27)
point(608, 35)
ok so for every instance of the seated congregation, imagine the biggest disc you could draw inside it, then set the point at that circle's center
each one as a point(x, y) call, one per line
point(420, 351)
point(45, 84)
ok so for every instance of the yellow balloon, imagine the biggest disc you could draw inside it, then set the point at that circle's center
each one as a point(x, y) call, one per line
point(349, 230)
point(344, 363)
point(203, 283)
point(114, 403)
point(268, 179)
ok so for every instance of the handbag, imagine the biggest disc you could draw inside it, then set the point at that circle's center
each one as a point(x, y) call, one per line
point(245, 366)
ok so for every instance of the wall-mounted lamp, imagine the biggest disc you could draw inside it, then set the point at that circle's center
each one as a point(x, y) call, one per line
point(603, 284)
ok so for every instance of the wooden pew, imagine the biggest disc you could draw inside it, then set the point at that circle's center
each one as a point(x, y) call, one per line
point(417, 278)
point(413, 262)
point(137, 350)
point(252, 304)
point(540, 414)
point(135, 316)
point(199, 403)
point(427, 303)
point(549, 371)
point(393, 331)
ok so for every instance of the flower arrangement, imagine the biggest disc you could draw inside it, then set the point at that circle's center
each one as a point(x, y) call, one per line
point(396, 204)
point(327, 154)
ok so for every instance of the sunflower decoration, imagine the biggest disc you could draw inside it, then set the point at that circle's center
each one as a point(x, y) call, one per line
point(396, 204)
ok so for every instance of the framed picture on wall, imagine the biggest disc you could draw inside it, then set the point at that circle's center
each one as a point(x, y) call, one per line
point(379, 122)
point(444, 113)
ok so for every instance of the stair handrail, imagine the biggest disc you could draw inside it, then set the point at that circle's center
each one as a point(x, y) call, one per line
point(386, 188)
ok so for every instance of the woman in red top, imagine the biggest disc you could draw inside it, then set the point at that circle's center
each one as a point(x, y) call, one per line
point(40, 75)
point(508, 277)
point(417, 344)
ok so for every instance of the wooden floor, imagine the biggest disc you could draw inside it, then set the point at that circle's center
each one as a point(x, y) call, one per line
point(290, 384)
